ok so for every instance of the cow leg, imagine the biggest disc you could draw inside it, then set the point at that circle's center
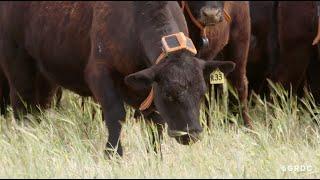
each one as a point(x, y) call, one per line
point(313, 78)
point(237, 51)
point(59, 96)
point(4, 93)
point(20, 71)
point(104, 91)
point(45, 91)
point(239, 81)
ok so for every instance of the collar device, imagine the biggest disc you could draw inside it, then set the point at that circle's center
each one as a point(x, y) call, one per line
point(176, 42)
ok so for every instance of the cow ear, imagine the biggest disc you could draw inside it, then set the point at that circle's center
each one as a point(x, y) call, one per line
point(141, 79)
point(224, 66)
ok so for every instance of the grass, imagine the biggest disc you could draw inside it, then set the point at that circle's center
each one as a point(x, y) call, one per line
point(67, 143)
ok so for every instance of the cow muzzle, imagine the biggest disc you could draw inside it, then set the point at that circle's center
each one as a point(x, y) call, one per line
point(211, 16)
point(185, 137)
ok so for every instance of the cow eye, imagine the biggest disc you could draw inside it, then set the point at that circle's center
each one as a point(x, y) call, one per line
point(176, 93)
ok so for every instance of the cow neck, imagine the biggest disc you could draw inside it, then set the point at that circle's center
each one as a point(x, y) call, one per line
point(153, 23)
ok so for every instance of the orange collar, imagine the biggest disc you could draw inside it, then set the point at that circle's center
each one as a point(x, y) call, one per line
point(183, 42)
point(147, 102)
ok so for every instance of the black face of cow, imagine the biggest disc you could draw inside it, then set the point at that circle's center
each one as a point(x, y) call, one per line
point(178, 93)
point(179, 87)
point(207, 12)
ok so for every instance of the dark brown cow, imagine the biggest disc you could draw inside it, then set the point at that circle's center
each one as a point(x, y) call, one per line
point(231, 39)
point(106, 50)
point(284, 33)
point(297, 26)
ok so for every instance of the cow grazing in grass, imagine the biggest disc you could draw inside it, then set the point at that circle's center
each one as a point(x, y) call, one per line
point(107, 50)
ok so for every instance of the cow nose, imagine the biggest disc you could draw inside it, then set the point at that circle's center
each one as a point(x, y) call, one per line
point(211, 15)
point(189, 138)
point(191, 131)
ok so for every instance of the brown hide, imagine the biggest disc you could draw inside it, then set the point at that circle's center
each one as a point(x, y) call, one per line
point(283, 50)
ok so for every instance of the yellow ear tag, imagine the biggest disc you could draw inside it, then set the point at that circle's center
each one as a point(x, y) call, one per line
point(217, 77)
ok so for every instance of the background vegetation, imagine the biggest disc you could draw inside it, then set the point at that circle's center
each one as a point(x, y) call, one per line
point(65, 142)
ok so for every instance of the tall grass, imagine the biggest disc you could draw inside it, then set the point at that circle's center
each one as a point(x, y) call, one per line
point(67, 143)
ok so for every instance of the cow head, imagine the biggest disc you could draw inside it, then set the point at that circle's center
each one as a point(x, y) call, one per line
point(179, 86)
point(207, 12)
